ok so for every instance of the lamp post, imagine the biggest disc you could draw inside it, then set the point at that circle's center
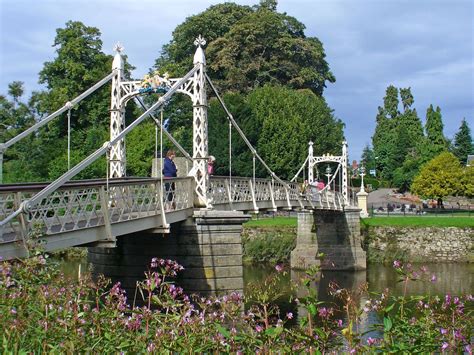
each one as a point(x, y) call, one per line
point(328, 175)
point(362, 195)
point(362, 174)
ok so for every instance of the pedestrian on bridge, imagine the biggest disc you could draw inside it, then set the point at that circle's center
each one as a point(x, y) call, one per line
point(170, 171)
point(210, 165)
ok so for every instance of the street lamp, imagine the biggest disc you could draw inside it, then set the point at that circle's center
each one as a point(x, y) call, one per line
point(328, 174)
point(362, 174)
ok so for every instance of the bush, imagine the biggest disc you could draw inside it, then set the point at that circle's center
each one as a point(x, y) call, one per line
point(268, 246)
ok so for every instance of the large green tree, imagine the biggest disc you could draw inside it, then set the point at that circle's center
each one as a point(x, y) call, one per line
point(398, 139)
point(15, 117)
point(249, 47)
point(462, 145)
point(436, 141)
point(440, 177)
point(279, 123)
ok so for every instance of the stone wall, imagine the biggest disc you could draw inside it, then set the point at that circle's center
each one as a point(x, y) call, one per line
point(335, 234)
point(428, 244)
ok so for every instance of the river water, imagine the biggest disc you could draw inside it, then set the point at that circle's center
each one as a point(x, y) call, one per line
point(455, 279)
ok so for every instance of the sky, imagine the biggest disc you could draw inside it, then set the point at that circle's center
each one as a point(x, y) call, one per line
point(370, 44)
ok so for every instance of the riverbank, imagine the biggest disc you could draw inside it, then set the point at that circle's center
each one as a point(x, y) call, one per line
point(385, 239)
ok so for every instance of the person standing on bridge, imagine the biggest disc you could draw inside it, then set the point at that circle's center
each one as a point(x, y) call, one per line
point(210, 165)
point(170, 171)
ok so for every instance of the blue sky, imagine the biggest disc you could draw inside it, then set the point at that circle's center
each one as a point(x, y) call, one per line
point(370, 44)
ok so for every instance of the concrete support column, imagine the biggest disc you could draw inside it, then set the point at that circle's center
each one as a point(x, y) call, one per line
point(213, 256)
point(208, 245)
point(362, 203)
point(305, 253)
point(338, 235)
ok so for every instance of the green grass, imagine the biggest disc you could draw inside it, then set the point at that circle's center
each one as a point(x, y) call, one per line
point(420, 221)
point(287, 222)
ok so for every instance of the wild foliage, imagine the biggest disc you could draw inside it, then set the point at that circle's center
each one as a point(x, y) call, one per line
point(42, 311)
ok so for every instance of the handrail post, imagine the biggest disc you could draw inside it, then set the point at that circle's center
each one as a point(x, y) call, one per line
point(164, 223)
point(272, 195)
point(287, 196)
point(21, 217)
point(252, 191)
point(104, 203)
point(229, 193)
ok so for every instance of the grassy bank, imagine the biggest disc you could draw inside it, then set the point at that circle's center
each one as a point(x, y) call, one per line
point(269, 240)
point(419, 221)
point(281, 222)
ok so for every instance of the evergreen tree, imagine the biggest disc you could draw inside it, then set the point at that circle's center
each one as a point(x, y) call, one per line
point(368, 158)
point(434, 132)
point(462, 145)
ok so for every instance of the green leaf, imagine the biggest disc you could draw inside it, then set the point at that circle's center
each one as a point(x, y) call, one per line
point(387, 322)
point(312, 309)
point(223, 330)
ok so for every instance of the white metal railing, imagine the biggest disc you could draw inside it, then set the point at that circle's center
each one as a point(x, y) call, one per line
point(87, 204)
point(71, 208)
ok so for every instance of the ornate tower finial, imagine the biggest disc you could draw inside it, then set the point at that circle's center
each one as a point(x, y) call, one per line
point(118, 47)
point(200, 41)
point(199, 56)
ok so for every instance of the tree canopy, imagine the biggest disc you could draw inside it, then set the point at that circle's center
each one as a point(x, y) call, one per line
point(440, 177)
point(249, 47)
point(279, 123)
point(462, 145)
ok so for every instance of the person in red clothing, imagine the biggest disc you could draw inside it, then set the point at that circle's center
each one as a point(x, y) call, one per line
point(210, 165)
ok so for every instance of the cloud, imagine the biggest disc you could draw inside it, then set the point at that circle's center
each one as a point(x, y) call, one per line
point(425, 44)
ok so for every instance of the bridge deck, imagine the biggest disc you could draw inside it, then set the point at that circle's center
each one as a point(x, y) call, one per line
point(82, 212)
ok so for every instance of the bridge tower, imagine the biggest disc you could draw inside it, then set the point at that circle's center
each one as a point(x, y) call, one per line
point(310, 163)
point(342, 160)
point(200, 132)
point(117, 158)
point(194, 87)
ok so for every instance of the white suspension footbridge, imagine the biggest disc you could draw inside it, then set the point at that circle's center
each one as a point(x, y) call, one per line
point(70, 213)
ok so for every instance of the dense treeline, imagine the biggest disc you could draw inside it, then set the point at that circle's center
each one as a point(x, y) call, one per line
point(271, 76)
point(402, 145)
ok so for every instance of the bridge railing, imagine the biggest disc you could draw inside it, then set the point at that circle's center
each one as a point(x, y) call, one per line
point(86, 204)
point(243, 190)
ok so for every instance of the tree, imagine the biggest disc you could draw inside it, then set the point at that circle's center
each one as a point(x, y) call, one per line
point(15, 90)
point(385, 135)
point(434, 132)
point(398, 140)
point(440, 177)
point(249, 47)
point(468, 181)
point(368, 158)
point(287, 120)
point(462, 145)
point(177, 56)
point(79, 64)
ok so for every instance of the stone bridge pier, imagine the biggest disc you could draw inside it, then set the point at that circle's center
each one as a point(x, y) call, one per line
point(208, 245)
point(336, 234)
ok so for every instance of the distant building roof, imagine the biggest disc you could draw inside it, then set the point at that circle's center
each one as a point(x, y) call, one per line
point(470, 160)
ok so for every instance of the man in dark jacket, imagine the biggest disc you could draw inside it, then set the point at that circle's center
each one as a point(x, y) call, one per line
point(170, 171)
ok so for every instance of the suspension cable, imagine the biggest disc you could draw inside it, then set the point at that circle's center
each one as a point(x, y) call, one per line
point(236, 126)
point(58, 112)
point(161, 149)
point(299, 171)
point(69, 137)
point(141, 104)
point(253, 171)
point(156, 143)
point(107, 162)
point(230, 153)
